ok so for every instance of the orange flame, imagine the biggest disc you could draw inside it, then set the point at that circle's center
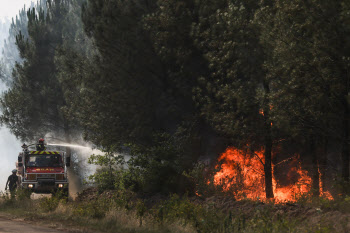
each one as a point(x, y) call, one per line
point(243, 174)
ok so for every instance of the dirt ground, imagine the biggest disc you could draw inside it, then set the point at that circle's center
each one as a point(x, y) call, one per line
point(19, 225)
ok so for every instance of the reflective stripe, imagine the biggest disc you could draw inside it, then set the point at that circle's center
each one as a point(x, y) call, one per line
point(45, 152)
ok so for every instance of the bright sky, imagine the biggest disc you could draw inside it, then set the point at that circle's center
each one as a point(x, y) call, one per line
point(10, 8)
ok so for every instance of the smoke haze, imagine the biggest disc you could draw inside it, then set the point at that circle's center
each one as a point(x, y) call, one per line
point(9, 8)
point(10, 146)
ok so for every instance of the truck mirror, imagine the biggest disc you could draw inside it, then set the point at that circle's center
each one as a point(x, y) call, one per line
point(68, 161)
point(19, 159)
point(20, 164)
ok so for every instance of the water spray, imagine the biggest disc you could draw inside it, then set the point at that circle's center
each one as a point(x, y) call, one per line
point(70, 145)
point(75, 184)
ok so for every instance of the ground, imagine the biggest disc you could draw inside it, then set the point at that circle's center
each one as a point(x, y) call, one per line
point(115, 211)
point(9, 223)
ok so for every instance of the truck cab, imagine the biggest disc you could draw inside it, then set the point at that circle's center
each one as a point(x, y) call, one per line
point(43, 171)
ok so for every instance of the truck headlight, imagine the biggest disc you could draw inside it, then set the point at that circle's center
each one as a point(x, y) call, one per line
point(60, 185)
point(30, 186)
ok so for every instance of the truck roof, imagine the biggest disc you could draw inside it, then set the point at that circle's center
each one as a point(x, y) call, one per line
point(44, 152)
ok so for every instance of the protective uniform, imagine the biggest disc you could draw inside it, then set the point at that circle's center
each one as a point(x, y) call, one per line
point(13, 179)
point(40, 146)
point(12, 182)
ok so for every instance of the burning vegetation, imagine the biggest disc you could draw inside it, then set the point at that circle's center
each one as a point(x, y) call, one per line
point(241, 172)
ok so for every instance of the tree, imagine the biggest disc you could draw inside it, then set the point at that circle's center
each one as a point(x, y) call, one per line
point(10, 55)
point(308, 44)
point(234, 96)
point(32, 107)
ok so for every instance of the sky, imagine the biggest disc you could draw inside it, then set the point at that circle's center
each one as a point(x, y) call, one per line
point(9, 145)
point(10, 8)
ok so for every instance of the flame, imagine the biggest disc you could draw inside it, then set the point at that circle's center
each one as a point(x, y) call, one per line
point(261, 112)
point(242, 173)
point(323, 193)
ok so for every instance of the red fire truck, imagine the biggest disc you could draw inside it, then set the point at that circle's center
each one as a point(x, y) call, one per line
point(43, 171)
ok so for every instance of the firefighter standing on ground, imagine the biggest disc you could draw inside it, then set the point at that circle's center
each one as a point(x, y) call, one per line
point(12, 182)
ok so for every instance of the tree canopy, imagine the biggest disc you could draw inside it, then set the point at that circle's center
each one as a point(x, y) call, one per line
point(164, 80)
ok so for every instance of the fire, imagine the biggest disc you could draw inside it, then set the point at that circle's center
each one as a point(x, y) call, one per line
point(242, 173)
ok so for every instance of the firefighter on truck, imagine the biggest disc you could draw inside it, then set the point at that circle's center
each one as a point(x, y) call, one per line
point(43, 171)
point(41, 145)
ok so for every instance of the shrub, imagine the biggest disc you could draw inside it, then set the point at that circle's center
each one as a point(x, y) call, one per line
point(92, 209)
point(23, 194)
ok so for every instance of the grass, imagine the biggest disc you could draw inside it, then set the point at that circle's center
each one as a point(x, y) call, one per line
point(123, 212)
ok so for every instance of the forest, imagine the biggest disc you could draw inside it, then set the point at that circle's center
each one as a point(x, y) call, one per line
point(179, 84)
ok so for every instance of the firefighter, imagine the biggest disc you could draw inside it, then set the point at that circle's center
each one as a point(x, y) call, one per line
point(12, 182)
point(40, 146)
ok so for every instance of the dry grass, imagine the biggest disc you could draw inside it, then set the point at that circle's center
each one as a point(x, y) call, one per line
point(181, 215)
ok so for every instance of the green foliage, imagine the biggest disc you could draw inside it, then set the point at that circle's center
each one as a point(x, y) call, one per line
point(165, 78)
point(181, 214)
point(51, 203)
point(140, 210)
point(177, 208)
point(201, 178)
point(106, 177)
point(159, 167)
point(32, 106)
point(23, 194)
point(156, 168)
point(93, 209)
point(340, 186)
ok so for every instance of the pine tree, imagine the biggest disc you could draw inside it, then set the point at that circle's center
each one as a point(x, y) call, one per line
point(32, 107)
point(308, 46)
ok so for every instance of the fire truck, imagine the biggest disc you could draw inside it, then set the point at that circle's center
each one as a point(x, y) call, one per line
point(43, 171)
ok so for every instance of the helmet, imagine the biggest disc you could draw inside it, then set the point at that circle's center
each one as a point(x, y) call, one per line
point(41, 140)
point(14, 170)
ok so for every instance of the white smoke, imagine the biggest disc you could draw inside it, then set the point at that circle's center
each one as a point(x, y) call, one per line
point(9, 8)
point(80, 170)
point(9, 145)
point(81, 152)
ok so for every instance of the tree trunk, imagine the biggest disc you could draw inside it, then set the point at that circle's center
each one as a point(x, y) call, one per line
point(268, 167)
point(268, 145)
point(322, 165)
point(315, 173)
point(67, 139)
point(345, 150)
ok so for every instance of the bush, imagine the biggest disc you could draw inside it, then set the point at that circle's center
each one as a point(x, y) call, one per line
point(202, 181)
point(23, 194)
point(93, 209)
point(106, 177)
point(51, 203)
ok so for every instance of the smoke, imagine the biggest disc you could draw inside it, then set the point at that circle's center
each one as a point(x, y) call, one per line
point(80, 170)
point(9, 145)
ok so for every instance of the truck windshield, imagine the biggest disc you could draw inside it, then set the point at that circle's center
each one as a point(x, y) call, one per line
point(44, 161)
